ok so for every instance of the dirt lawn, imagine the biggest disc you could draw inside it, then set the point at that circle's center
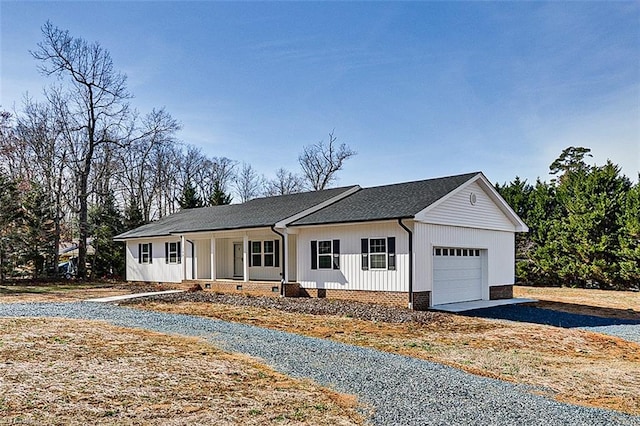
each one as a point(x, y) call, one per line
point(610, 304)
point(66, 292)
point(56, 371)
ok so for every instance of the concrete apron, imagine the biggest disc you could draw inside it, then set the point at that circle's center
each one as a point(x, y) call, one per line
point(131, 296)
point(479, 304)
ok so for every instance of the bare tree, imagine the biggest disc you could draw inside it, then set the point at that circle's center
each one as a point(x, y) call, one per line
point(92, 109)
point(248, 184)
point(284, 183)
point(320, 162)
point(148, 155)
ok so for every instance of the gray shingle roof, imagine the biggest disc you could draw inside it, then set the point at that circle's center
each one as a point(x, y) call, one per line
point(256, 213)
point(403, 200)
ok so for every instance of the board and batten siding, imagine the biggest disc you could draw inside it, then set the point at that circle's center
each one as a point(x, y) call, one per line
point(458, 210)
point(350, 276)
point(499, 248)
point(156, 271)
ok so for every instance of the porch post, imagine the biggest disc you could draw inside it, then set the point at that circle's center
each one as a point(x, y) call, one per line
point(245, 258)
point(194, 260)
point(183, 256)
point(285, 257)
point(213, 258)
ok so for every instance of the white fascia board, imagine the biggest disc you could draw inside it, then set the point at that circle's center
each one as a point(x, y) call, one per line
point(493, 194)
point(155, 237)
point(284, 222)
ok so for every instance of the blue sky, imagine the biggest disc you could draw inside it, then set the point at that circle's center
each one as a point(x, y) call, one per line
point(418, 89)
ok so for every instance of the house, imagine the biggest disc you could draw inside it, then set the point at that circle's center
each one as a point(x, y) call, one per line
point(420, 244)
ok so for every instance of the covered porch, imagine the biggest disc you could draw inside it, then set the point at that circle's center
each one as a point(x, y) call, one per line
point(256, 255)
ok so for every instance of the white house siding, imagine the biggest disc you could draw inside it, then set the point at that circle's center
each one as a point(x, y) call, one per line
point(498, 248)
point(458, 211)
point(291, 261)
point(158, 270)
point(224, 257)
point(203, 256)
point(350, 276)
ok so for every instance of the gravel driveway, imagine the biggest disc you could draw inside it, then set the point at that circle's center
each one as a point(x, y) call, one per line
point(400, 390)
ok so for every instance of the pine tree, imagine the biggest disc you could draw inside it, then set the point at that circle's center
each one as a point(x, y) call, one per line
point(189, 198)
point(219, 197)
point(105, 223)
point(133, 216)
point(39, 230)
point(10, 224)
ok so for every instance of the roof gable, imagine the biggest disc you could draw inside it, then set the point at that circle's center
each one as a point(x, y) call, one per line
point(403, 200)
point(488, 209)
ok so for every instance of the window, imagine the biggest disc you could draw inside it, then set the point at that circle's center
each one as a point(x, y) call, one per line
point(144, 253)
point(378, 253)
point(264, 253)
point(325, 254)
point(173, 252)
point(268, 253)
point(256, 256)
point(441, 251)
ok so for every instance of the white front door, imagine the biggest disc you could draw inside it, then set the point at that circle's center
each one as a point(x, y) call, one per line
point(238, 266)
point(457, 275)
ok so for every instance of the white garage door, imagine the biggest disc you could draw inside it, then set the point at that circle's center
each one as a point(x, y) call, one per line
point(457, 275)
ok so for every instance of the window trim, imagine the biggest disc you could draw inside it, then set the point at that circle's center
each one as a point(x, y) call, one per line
point(266, 253)
point(390, 261)
point(378, 254)
point(170, 251)
point(142, 253)
point(333, 254)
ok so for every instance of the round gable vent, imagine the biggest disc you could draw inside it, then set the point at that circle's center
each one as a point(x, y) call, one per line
point(472, 199)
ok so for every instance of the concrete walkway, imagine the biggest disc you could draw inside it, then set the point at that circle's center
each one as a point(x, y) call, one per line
point(479, 304)
point(131, 296)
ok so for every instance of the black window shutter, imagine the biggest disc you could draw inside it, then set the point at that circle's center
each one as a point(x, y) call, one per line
point(391, 249)
point(166, 252)
point(276, 253)
point(150, 253)
point(336, 254)
point(139, 253)
point(179, 254)
point(314, 255)
point(364, 245)
point(250, 257)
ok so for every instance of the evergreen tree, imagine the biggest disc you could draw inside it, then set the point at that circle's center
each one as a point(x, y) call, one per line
point(133, 216)
point(39, 231)
point(219, 197)
point(10, 224)
point(105, 223)
point(189, 198)
point(629, 254)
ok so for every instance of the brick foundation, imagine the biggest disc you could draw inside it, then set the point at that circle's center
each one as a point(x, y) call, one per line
point(501, 292)
point(421, 300)
point(392, 298)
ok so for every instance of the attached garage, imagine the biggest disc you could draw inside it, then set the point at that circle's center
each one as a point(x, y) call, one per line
point(458, 275)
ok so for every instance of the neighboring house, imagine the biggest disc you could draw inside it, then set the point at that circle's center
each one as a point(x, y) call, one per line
point(421, 243)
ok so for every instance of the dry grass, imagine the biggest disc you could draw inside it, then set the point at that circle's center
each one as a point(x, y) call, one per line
point(575, 366)
point(55, 371)
point(611, 304)
point(57, 292)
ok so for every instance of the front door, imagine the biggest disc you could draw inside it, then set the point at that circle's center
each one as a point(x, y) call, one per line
point(238, 267)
